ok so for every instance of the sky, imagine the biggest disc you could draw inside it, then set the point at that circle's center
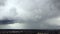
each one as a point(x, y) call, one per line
point(29, 14)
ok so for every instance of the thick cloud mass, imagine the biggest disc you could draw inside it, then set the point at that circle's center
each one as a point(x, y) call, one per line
point(30, 14)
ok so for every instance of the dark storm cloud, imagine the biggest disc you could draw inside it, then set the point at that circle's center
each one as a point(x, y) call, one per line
point(6, 21)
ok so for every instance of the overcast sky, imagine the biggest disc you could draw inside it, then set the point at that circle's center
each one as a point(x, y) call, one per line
point(29, 14)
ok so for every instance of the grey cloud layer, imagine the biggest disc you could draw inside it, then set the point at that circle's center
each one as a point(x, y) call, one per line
point(35, 13)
